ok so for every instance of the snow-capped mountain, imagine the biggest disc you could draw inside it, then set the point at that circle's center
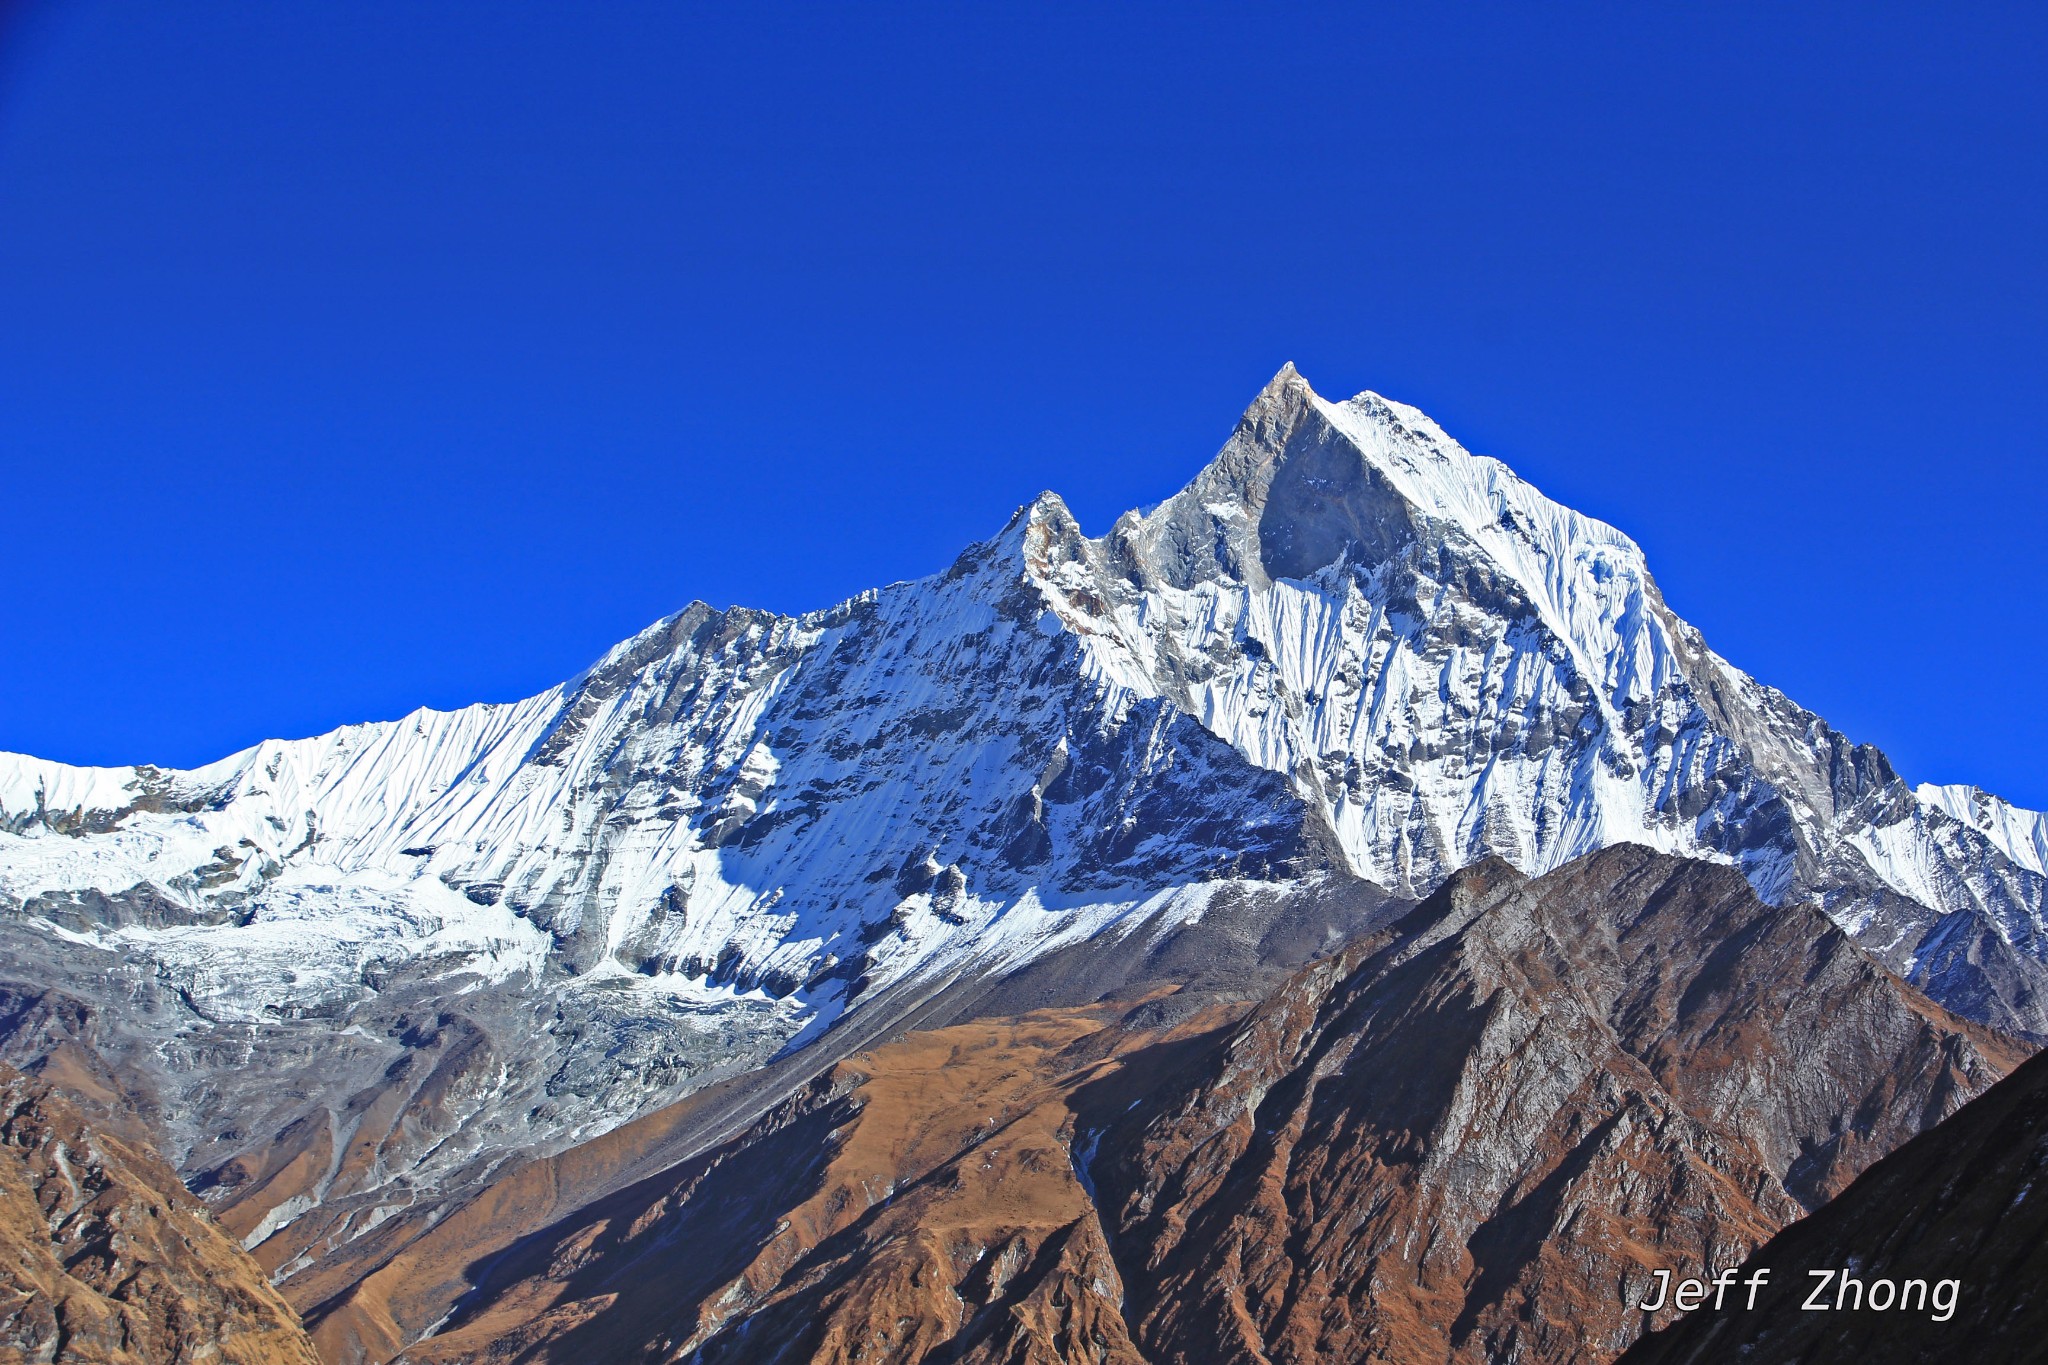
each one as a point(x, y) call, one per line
point(1348, 647)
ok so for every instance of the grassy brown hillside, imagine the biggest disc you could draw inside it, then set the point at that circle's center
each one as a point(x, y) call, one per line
point(1468, 1137)
point(918, 1202)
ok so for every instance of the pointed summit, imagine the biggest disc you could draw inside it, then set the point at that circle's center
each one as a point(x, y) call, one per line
point(1286, 377)
point(1279, 405)
point(1288, 494)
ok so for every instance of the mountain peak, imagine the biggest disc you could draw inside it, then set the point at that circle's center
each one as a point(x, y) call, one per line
point(1286, 377)
point(1303, 482)
point(1348, 645)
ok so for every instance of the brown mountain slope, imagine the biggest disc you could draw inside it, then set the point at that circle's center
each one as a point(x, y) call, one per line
point(1470, 1136)
point(919, 1202)
point(107, 1259)
point(366, 1299)
point(1964, 1201)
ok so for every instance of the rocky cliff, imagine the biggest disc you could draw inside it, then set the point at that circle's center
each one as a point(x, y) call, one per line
point(1960, 1203)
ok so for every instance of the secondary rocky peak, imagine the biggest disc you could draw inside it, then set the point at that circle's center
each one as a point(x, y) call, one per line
point(1048, 505)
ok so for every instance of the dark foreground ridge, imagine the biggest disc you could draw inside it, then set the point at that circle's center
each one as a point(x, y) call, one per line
point(1964, 1201)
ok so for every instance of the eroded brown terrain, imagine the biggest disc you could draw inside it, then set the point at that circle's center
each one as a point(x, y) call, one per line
point(108, 1260)
point(1471, 1138)
point(1468, 1137)
point(919, 1202)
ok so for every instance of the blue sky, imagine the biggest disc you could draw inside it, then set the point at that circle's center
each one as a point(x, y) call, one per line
point(357, 356)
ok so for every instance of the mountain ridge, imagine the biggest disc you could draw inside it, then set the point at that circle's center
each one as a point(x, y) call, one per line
point(1346, 649)
point(1469, 1134)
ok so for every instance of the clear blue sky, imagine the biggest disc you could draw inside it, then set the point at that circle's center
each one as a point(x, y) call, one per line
point(357, 356)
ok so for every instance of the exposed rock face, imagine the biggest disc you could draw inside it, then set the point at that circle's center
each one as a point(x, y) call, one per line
point(350, 980)
point(1963, 1201)
point(108, 1261)
point(1470, 1136)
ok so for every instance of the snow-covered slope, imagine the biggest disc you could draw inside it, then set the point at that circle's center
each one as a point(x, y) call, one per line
point(1348, 646)
point(1447, 663)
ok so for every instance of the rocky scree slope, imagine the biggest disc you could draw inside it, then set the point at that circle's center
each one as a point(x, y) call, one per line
point(107, 1259)
point(359, 972)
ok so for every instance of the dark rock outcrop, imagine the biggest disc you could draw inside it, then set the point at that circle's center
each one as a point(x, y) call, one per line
point(1965, 1201)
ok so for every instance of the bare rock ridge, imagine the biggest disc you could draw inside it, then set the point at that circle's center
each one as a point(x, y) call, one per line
point(1473, 1137)
point(108, 1261)
point(348, 982)
point(1468, 1136)
point(1961, 1201)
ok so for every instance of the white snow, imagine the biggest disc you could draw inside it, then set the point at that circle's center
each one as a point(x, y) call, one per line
point(705, 772)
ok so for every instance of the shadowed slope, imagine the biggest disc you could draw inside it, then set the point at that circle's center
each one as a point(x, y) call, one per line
point(1963, 1201)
